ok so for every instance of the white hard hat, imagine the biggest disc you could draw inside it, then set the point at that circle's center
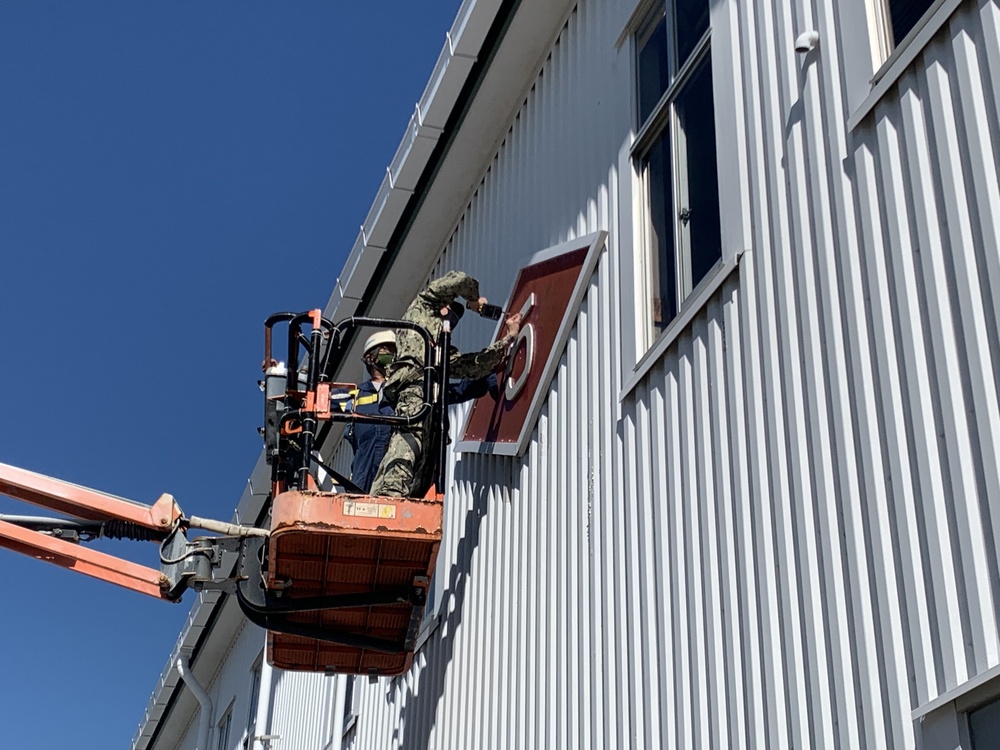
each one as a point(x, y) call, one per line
point(382, 338)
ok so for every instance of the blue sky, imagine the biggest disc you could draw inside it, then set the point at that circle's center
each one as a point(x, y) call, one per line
point(170, 174)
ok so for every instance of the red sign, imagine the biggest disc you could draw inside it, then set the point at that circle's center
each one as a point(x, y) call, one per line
point(547, 293)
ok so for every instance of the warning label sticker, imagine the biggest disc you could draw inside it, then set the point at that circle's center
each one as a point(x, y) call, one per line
point(369, 510)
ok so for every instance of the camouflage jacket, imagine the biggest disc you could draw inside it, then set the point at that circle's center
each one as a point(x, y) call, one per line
point(425, 310)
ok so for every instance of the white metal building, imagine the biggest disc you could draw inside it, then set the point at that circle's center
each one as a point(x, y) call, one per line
point(760, 506)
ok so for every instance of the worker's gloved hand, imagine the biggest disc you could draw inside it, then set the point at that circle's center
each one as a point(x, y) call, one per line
point(475, 304)
point(513, 324)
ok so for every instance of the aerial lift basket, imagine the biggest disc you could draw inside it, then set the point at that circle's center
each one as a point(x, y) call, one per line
point(342, 582)
point(382, 550)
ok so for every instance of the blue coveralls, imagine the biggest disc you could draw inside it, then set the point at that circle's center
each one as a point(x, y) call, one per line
point(369, 441)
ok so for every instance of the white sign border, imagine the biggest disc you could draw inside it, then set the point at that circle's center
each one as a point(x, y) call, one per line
point(596, 241)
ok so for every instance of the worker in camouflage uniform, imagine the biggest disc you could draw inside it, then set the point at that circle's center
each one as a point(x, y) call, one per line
point(406, 470)
point(370, 440)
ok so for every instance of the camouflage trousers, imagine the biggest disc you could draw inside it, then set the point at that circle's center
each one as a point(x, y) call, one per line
point(406, 468)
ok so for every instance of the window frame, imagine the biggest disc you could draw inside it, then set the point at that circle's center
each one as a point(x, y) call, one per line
point(982, 691)
point(432, 614)
point(646, 136)
point(943, 723)
point(884, 47)
point(641, 350)
point(663, 119)
point(899, 60)
point(704, 291)
point(224, 728)
point(256, 673)
point(966, 711)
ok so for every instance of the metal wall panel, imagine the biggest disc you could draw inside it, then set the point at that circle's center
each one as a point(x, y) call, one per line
point(787, 534)
point(229, 689)
point(303, 710)
point(940, 127)
point(874, 310)
point(300, 708)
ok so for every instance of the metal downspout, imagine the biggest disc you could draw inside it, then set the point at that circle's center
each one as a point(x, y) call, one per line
point(262, 723)
point(204, 699)
point(339, 694)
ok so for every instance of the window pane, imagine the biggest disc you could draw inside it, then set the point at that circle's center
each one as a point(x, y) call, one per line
point(692, 23)
point(224, 732)
point(696, 117)
point(254, 697)
point(904, 15)
point(663, 259)
point(652, 68)
point(984, 726)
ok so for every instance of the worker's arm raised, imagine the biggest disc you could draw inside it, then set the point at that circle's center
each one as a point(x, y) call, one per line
point(453, 284)
point(481, 363)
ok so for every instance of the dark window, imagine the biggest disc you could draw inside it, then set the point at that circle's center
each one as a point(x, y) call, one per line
point(254, 698)
point(984, 726)
point(696, 117)
point(652, 67)
point(663, 266)
point(676, 153)
point(904, 15)
point(692, 23)
point(224, 727)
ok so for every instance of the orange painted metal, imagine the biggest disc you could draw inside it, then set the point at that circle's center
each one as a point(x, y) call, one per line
point(80, 559)
point(82, 502)
point(323, 401)
point(326, 544)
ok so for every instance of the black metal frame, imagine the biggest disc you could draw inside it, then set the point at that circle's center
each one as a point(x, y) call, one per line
point(292, 459)
point(292, 464)
point(272, 612)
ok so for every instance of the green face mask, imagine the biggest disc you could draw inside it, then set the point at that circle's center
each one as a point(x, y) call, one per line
point(384, 358)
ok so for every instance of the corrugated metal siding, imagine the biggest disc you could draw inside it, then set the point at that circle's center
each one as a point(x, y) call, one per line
point(787, 534)
point(301, 704)
point(507, 664)
point(874, 323)
point(229, 687)
point(927, 207)
point(302, 712)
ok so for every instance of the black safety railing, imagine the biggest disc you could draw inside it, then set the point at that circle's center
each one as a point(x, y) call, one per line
point(292, 414)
